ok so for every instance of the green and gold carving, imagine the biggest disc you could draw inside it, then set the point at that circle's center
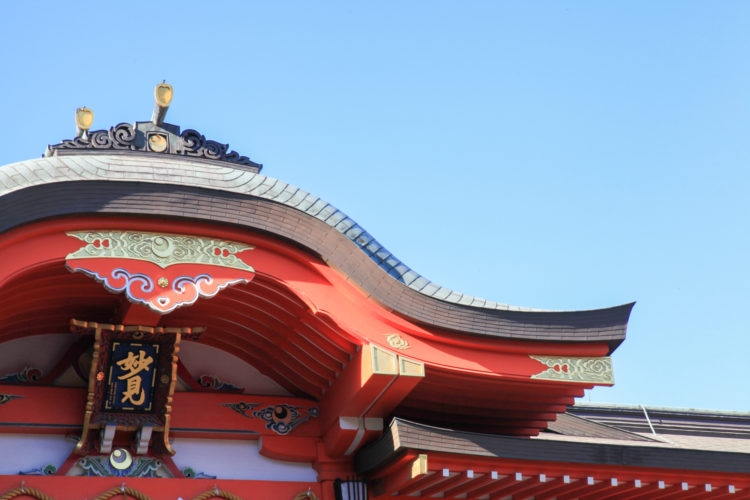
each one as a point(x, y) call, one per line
point(589, 370)
point(161, 249)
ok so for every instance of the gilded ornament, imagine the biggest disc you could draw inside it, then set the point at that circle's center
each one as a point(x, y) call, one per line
point(157, 143)
point(120, 459)
point(396, 341)
point(161, 249)
point(592, 370)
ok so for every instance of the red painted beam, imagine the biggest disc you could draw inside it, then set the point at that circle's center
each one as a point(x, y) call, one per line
point(407, 477)
point(602, 488)
point(569, 489)
point(543, 487)
point(651, 491)
point(630, 488)
point(451, 481)
point(471, 484)
point(510, 490)
point(496, 485)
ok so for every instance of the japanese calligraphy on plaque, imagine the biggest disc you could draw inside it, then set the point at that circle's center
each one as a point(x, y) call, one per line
point(131, 382)
point(131, 377)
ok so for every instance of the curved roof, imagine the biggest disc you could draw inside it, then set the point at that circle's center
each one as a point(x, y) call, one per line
point(167, 185)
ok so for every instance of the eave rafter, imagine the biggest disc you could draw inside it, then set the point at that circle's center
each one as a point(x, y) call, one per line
point(430, 475)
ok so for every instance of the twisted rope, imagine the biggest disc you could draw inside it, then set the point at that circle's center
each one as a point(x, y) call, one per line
point(214, 493)
point(306, 495)
point(25, 491)
point(121, 490)
point(126, 490)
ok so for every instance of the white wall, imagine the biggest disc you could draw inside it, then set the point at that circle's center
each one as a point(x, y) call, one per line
point(236, 459)
point(35, 351)
point(23, 452)
point(201, 359)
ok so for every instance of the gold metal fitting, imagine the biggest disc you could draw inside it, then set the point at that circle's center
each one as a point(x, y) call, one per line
point(163, 94)
point(84, 118)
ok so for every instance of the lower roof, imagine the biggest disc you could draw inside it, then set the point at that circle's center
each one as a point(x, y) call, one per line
point(403, 435)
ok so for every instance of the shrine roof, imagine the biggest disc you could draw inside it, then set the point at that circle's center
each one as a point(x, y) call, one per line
point(666, 420)
point(621, 450)
point(104, 180)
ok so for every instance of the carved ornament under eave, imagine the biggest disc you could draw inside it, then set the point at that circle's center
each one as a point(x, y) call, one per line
point(150, 138)
point(587, 370)
point(397, 341)
point(160, 271)
point(281, 418)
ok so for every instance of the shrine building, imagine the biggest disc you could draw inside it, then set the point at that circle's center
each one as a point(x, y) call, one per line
point(176, 325)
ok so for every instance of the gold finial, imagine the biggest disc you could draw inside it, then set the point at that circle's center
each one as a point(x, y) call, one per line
point(84, 119)
point(163, 93)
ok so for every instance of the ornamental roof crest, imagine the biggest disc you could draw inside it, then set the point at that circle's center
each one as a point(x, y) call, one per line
point(154, 137)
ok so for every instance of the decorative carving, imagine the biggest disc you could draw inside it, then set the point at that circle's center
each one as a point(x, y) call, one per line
point(163, 250)
point(160, 271)
point(585, 370)
point(242, 408)
point(101, 466)
point(121, 136)
point(216, 384)
point(47, 470)
point(195, 144)
point(281, 418)
point(164, 139)
point(397, 342)
point(25, 376)
point(190, 473)
point(4, 398)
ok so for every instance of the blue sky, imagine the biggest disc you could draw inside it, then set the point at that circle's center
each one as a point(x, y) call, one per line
point(562, 155)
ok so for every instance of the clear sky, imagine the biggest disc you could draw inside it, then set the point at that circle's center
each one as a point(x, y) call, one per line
point(561, 155)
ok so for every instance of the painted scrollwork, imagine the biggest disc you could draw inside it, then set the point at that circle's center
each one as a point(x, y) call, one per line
point(100, 466)
point(161, 271)
point(283, 418)
point(161, 249)
point(280, 418)
point(25, 376)
point(595, 370)
point(4, 398)
point(216, 384)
